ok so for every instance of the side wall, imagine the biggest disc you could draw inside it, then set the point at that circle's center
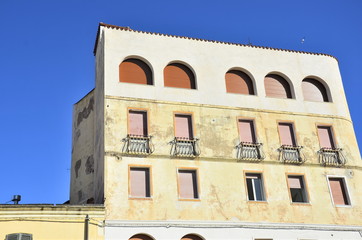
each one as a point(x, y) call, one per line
point(82, 169)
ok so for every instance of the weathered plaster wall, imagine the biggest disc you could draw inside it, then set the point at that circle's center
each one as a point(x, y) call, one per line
point(99, 122)
point(82, 169)
point(46, 222)
point(221, 180)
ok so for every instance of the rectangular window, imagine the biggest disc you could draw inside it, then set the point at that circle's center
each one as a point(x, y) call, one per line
point(325, 135)
point(339, 191)
point(254, 184)
point(138, 123)
point(139, 182)
point(286, 132)
point(297, 189)
point(246, 131)
point(183, 126)
point(188, 184)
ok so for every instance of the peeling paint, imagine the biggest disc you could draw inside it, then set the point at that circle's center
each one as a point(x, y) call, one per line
point(85, 112)
point(76, 167)
point(89, 165)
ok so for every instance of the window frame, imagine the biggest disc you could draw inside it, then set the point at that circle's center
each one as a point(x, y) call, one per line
point(197, 184)
point(330, 126)
point(138, 110)
point(149, 167)
point(184, 64)
point(346, 188)
point(252, 120)
point(305, 185)
point(191, 114)
point(295, 135)
point(143, 60)
point(263, 188)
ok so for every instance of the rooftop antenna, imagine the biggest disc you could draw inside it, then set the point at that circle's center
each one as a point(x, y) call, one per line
point(16, 199)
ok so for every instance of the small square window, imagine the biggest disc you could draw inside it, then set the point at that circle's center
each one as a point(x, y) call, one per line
point(297, 189)
point(188, 184)
point(339, 191)
point(254, 184)
point(139, 182)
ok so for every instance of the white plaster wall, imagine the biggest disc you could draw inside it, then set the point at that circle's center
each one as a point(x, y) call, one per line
point(162, 232)
point(210, 61)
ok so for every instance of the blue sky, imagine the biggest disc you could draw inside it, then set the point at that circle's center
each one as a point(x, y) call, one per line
point(47, 64)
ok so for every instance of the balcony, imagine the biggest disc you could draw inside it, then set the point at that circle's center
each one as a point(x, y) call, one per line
point(291, 154)
point(247, 151)
point(137, 145)
point(331, 157)
point(184, 147)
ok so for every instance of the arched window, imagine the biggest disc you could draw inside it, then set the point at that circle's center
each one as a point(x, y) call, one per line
point(191, 237)
point(141, 237)
point(277, 86)
point(238, 82)
point(179, 76)
point(135, 71)
point(314, 90)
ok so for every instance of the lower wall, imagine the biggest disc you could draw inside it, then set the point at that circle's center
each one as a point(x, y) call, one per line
point(118, 230)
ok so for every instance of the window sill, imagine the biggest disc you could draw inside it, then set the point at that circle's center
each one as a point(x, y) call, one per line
point(190, 199)
point(343, 206)
point(301, 203)
point(140, 198)
point(258, 202)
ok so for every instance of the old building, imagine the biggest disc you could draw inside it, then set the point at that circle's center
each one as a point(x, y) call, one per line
point(187, 138)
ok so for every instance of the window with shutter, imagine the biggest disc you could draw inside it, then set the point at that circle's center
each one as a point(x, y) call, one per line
point(135, 71)
point(247, 131)
point(313, 90)
point(179, 76)
point(297, 189)
point(139, 182)
point(238, 82)
point(276, 86)
point(183, 125)
point(188, 184)
point(325, 135)
point(286, 133)
point(138, 123)
point(339, 191)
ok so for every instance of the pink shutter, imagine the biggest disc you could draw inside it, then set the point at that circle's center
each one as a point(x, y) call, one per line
point(313, 90)
point(238, 82)
point(138, 123)
point(276, 86)
point(294, 182)
point(246, 131)
point(138, 182)
point(338, 191)
point(187, 188)
point(325, 137)
point(287, 134)
point(183, 126)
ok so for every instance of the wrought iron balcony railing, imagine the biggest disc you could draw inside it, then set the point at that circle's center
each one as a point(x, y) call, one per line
point(137, 144)
point(185, 147)
point(331, 157)
point(291, 154)
point(248, 151)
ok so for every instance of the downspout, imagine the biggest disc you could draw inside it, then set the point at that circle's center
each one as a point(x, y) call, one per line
point(86, 225)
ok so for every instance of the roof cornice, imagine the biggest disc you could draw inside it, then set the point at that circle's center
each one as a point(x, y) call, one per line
point(203, 40)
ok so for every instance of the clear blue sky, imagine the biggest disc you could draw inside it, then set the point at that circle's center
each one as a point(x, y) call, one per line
point(47, 64)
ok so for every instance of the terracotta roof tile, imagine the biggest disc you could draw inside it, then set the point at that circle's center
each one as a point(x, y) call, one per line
point(203, 40)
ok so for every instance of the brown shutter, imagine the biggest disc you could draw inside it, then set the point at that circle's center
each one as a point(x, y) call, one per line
point(135, 71)
point(287, 134)
point(179, 76)
point(276, 86)
point(246, 131)
point(325, 137)
point(314, 90)
point(139, 185)
point(191, 237)
point(238, 82)
point(187, 183)
point(294, 182)
point(183, 126)
point(138, 123)
point(338, 190)
point(140, 237)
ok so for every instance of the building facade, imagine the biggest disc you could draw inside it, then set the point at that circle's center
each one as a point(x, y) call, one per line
point(187, 138)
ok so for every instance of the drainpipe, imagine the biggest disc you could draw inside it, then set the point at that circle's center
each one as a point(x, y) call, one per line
point(86, 225)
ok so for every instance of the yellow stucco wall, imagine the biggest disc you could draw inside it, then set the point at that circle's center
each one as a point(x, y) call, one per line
point(221, 177)
point(47, 222)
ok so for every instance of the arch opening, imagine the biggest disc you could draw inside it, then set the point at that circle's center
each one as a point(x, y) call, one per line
point(134, 70)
